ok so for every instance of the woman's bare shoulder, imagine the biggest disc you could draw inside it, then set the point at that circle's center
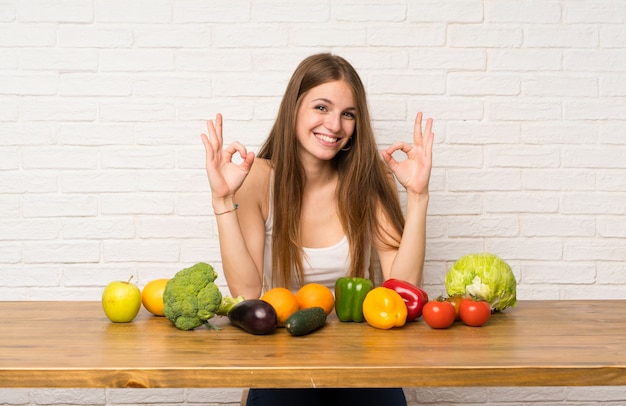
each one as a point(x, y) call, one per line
point(256, 186)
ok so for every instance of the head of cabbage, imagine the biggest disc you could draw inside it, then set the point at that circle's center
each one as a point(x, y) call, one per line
point(483, 276)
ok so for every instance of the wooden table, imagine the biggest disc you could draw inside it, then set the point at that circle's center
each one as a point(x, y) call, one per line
point(537, 343)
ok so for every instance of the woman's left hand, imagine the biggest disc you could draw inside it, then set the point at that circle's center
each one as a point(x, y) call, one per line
point(414, 172)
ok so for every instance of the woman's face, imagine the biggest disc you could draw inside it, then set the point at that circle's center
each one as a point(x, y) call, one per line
point(326, 120)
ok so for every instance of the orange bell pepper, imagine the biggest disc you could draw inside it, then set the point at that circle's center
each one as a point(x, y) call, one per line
point(384, 308)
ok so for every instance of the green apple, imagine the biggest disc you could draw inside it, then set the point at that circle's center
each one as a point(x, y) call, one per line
point(121, 301)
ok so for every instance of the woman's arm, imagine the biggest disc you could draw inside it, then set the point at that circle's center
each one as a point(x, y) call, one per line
point(238, 211)
point(407, 262)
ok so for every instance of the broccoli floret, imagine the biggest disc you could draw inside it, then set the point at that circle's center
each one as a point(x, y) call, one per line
point(191, 297)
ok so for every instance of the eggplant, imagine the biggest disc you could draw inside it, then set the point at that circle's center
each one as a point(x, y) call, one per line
point(254, 316)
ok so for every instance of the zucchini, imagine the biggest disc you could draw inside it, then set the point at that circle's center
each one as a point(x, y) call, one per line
point(305, 321)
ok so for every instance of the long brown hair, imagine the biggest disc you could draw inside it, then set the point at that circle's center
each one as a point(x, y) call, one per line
point(365, 183)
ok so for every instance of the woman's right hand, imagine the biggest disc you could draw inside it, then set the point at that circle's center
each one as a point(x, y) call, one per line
point(225, 176)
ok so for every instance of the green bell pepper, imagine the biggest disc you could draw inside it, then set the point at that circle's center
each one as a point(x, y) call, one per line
point(349, 296)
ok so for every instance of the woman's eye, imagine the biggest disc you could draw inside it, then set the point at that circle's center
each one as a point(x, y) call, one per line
point(349, 115)
point(321, 108)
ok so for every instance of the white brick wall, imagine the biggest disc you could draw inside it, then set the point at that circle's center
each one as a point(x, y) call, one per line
point(101, 165)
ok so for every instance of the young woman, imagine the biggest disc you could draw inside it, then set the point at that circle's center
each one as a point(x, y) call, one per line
point(319, 201)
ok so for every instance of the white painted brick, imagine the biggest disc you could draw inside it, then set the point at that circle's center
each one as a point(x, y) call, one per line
point(521, 157)
point(96, 276)
point(27, 35)
point(446, 108)
point(591, 11)
point(599, 394)
point(526, 395)
point(86, 134)
point(137, 111)
point(212, 60)
point(415, 35)
point(403, 83)
point(521, 202)
point(8, 11)
point(348, 36)
point(559, 179)
point(541, 60)
point(98, 182)
point(200, 11)
point(522, 11)
point(448, 59)
point(560, 86)
point(234, 111)
point(174, 227)
point(81, 84)
point(60, 158)
point(40, 252)
point(483, 226)
point(613, 85)
point(28, 182)
point(217, 396)
point(69, 59)
point(61, 206)
point(451, 250)
point(595, 157)
point(250, 35)
point(489, 36)
point(181, 181)
point(10, 253)
point(37, 275)
point(9, 206)
point(276, 11)
point(196, 204)
point(612, 36)
point(479, 84)
point(559, 36)
point(249, 84)
point(14, 396)
point(605, 60)
point(134, 11)
point(196, 250)
point(173, 86)
point(557, 226)
point(141, 396)
point(141, 251)
point(459, 157)
point(98, 228)
point(55, 110)
point(612, 133)
point(609, 272)
point(136, 203)
point(467, 132)
point(8, 109)
point(448, 395)
point(370, 10)
point(137, 158)
point(9, 159)
point(34, 84)
point(9, 58)
point(610, 180)
point(94, 36)
point(601, 203)
point(527, 249)
point(569, 132)
point(592, 292)
point(462, 180)
point(69, 11)
point(39, 134)
point(372, 59)
point(124, 60)
point(590, 249)
point(68, 396)
point(185, 36)
point(524, 111)
point(611, 226)
point(462, 11)
point(31, 229)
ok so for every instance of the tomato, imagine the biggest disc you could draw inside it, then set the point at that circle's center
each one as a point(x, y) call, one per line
point(438, 314)
point(474, 313)
point(456, 302)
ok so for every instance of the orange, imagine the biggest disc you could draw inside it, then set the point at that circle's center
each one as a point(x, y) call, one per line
point(284, 303)
point(152, 296)
point(315, 294)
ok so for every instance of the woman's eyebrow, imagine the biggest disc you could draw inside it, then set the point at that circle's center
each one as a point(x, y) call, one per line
point(325, 100)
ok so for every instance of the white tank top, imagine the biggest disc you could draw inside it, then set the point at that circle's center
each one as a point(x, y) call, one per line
point(321, 265)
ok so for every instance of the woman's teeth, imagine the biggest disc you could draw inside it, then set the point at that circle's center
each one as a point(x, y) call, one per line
point(326, 138)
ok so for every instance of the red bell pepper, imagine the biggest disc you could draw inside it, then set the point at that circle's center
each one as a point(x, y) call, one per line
point(414, 297)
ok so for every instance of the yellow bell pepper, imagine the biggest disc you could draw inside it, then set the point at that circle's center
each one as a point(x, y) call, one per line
point(384, 308)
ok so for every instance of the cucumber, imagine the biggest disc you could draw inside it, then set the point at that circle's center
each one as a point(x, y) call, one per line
point(305, 321)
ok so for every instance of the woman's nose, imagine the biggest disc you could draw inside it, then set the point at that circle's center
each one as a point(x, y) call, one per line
point(333, 122)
